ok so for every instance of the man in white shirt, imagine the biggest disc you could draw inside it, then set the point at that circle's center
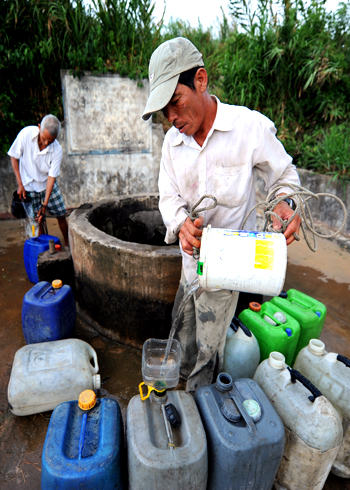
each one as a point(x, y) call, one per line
point(213, 148)
point(36, 157)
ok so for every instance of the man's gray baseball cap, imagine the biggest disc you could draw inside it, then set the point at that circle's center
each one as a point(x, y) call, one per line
point(167, 62)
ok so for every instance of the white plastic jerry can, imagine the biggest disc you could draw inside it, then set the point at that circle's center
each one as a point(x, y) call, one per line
point(330, 373)
point(313, 427)
point(167, 447)
point(48, 373)
point(242, 353)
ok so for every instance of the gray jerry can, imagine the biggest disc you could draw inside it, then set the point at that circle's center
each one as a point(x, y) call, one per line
point(245, 435)
point(167, 447)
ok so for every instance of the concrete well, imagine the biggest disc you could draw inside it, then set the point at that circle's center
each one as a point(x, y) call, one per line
point(126, 276)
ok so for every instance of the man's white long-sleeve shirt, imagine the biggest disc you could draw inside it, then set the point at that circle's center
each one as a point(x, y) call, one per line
point(35, 166)
point(240, 141)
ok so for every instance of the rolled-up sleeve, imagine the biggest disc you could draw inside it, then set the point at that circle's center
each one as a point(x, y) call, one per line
point(272, 162)
point(56, 162)
point(16, 150)
point(171, 205)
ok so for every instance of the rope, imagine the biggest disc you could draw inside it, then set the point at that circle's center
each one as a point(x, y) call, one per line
point(300, 196)
point(194, 214)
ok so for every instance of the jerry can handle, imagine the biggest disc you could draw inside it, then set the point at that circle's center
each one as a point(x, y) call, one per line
point(149, 390)
point(238, 399)
point(236, 323)
point(93, 354)
point(344, 360)
point(296, 376)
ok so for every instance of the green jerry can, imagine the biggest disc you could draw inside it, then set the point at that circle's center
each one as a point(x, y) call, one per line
point(309, 312)
point(274, 330)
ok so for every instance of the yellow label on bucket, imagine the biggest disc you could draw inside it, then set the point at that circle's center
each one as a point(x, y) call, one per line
point(264, 254)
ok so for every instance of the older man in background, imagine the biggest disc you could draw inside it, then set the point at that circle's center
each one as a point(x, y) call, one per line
point(36, 157)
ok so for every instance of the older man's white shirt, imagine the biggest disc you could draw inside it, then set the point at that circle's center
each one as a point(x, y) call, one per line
point(35, 166)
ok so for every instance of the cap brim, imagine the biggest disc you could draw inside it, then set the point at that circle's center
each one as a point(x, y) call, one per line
point(160, 96)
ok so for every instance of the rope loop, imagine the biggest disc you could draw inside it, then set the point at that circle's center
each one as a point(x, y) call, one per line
point(301, 197)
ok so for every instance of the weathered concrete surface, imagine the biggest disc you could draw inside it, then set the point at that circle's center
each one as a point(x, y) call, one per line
point(57, 266)
point(324, 275)
point(124, 289)
point(102, 114)
point(108, 150)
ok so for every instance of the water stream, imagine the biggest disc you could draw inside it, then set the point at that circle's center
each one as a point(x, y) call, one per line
point(192, 289)
point(29, 222)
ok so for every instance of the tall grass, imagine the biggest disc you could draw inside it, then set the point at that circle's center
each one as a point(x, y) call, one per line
point(38, 38)
point(294, 66)
point(287, 60)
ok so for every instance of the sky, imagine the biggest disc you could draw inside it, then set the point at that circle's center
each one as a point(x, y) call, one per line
point(207, 10)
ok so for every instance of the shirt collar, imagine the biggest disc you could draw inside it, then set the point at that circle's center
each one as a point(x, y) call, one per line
point(222, 122)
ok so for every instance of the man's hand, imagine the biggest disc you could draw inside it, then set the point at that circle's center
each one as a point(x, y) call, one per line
point(21, 192)
point(285, 212)
point(40, 214)
point(188, 233)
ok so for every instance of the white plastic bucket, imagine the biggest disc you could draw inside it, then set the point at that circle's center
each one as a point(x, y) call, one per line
point(246, 261)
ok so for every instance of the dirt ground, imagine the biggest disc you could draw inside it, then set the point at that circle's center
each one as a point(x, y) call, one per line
point(324, 275)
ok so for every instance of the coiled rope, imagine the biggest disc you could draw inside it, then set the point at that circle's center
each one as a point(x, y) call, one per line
point(301, 196)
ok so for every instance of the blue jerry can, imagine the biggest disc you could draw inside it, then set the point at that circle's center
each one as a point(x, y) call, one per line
point(48, 312)
point(83, 449)
point(32, 248)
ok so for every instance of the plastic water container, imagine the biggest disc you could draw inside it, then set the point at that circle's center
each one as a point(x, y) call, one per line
point(44, 375)
point(48, 312)
point(241, 354)
point(247, 261)
point(244, 433)
point(83, 449)
point(309, 312)
point(166, 442)
point(313, 426)
point(32, 248)
point(281, 337)
point(330, 372)
point(154, 372)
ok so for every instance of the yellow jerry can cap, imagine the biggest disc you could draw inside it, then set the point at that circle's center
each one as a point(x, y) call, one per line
point(87, 399)
point(57, 283)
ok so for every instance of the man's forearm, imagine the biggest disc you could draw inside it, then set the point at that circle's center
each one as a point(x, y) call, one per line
point(49, 186)
point(15, 166)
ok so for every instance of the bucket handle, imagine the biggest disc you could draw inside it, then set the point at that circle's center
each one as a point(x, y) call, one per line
point(93, 355)
point(296, 376)
point(344, 360)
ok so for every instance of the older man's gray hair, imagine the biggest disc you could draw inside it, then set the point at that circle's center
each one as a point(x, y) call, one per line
point(52, 124)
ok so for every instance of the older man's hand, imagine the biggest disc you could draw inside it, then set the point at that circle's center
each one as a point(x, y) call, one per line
point(188, 233)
